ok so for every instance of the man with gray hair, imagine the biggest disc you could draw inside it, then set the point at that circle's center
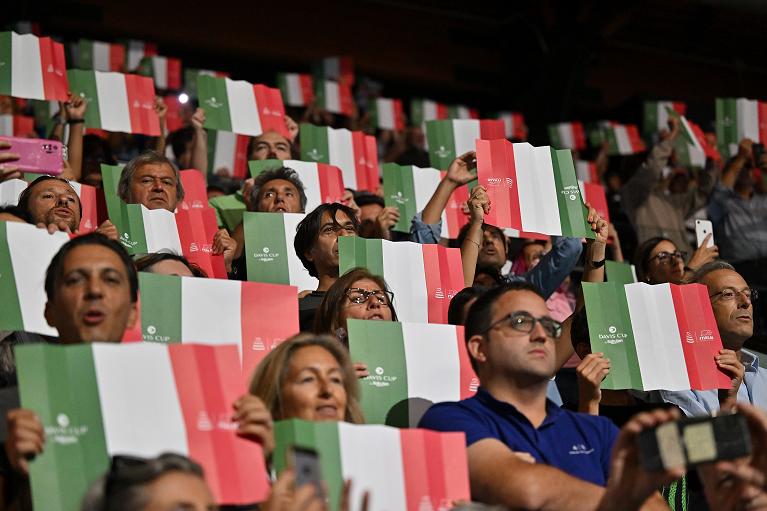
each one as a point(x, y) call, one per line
point(732, 301)
point(151, 179)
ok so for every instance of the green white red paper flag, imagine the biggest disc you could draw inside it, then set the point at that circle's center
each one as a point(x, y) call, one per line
point(739, 118)
point(402, 469)
point(165, 71)
point(450, 139)
point(269, 253)
point(567, 135)
point(173, 115)
point(423, 278)
point(241, 107)
point(656, 115)
point(410, 188)
point(462, 112)
point(99, 400)
point(622, 139)
point(136, 51)
point(340, 69)
point(586, 171)
point(412, 366)
point(661, 336)
point(25, 253)
point(355, 153)
point(595, 194)
point(323, 183)
point(388, 114)
point(422, 110)
point(116, 101)
point(17, 125)
point(297, 89)
point(89, 217)
point(190, 78)
point(532, 189)
point(620, 272)
point(189, 310)
point(32, 67)
point(514, 125)
point(335, 97)
point(100, 56)
point(227, 154)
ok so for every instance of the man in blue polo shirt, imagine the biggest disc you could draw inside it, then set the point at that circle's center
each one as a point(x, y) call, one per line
point(511, 341)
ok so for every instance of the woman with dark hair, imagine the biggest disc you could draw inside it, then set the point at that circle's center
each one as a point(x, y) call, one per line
point(658, 261)
point(169, 264)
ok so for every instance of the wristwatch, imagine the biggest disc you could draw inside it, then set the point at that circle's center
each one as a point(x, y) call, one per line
point(597, 264)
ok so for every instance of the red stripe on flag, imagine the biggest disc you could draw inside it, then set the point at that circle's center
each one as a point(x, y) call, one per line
point(473, 113)
point(416, 468)
point(456, 212)
point(496, 171)
point(491, 129)
point(196, 229)
point(195, 191)
point(399, 114)
point(345, 98)
point(174, 73)
point(89, 218)
point(468, 380)
point(699, 336)
point(637, 144)
point(596, 196)
point(679, 107)
point(116, 57)
point(361, 163)
point(53, 66)
point(271, 111)
point(442, 111)
point(240, 170)
point(444, 278)
point(173, 116)
point(579, 136)
point(150, 49)
point(141, 98)
point(23, 126)
point(518, 120)
point(456, 465)
point(709, 150)
point(269, 315)
point(331, 183)
point(307, 88)
point(762, 111)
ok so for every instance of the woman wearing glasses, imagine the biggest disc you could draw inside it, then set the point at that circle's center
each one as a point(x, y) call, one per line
point(658, 261)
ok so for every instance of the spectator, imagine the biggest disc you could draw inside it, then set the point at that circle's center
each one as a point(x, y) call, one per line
point(461, 302)
point(658, 261)
point(152, 180)
point(376, 219)
point(190, 143)
point(169, 264)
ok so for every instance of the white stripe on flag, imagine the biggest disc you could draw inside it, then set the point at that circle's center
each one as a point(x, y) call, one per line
point(656, 336)
point(429, 110)
point(309, 174)
point(26, 67)
point(10, 191)
point(135, 54)
point(204, 300)
point(332, 97)
point(622, 139)
point(663, 113)
point(341, 155)
point(582, 172)
point(431, 356)
point(160, 71)
point(160, 230)
point(385, 108)
point(140, 408)
point(425, 182)
point(299, 276)
point(537, 191)
point(101, 56)
point(31, 250)
point(243, 110)
point(404, 272)
point(226, 143)
point(566, 139)
point(371, 456)
point(748, 119)
point(6, 125)
point(465, 135)
point(295, 93)
point(113, 102)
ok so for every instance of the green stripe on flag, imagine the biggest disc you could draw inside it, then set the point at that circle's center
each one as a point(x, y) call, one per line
point(610, 333)
point(650, 118)
point(554, 135)
point(572, 212)
point(84, 84)
point(11, 318)
point(59, 384)
point(416, 112)
point(356, 252)
point(620, 273)
point(381, 346)
point(282, 84)
point(314, 143)
point(266, 251)
point(212, 95)
point(258, 166)
point(682, 150)
point(6, 80)
point(229, 209)
point(319, 92)
point(133, 237)
point(212, 134)
point(85, 54)
point(160, 307)
point(399, 192)
point(441, 143)
point(612, 140)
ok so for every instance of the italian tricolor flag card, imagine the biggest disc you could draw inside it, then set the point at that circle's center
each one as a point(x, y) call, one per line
point(739, 118)
point(17, 125)
point(335, 97)
point(227, 154)
point(323, 183)
point(409, 189)
point(99, 56)
point(422, 110)
point(297, 89)
point(32, 67)
point(514, 124)
point(388, 114)
point(450, 139)
point(103, 399)
point(661, 336)
point(656, 115)
point(403, 469)
point(412, 366)
point(568, 135)
point(165, 71)
point(423, 278)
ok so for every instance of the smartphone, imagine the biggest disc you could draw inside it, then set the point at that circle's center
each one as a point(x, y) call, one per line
point(702, 229)
point(306, 466)
point(688, 442)
point(37, 155)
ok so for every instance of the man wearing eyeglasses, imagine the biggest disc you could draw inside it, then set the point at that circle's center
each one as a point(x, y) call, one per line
point(732, 302)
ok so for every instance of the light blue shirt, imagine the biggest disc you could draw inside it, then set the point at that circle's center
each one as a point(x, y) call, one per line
point(753, 390)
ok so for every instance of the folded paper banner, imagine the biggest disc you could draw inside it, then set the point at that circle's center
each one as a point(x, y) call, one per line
point(662, 336)
point(17, 125)
point(450, 139)
point(297, 89)
point(229, 210)
point(355, 153)
point(323, 183)
point(10, 191)
point(340, 69)
point(412, 366)
point(89, 217)
point(32, 67)
point(100, 56)
point(739, 118)
point(620, 272)
point(655, 116)
point(190, 78)
point(269, 253)
point(93, 406)
point(25, 253)
point(514, 125)
point(241, 107)
point(532, 189)
point(595, 194)
point(567, 135)
point(116, 101)
point(335, 97)
point(423, 278)
point(227, 154)
point(422, 110)
point(388, 114)
point(189, 310)
point(693, 148)
point(462, 112)
point(409, 188)
point(622, 139)
point(173, 115)
point(586, 171)
point(165, 71)
point(403, 469)
point(136, 51)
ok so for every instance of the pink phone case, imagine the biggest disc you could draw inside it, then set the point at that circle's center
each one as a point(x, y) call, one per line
point(37, 155)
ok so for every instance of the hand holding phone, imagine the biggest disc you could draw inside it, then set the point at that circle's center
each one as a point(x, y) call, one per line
point(702, 229)
point(37, 155)
point(306, 466)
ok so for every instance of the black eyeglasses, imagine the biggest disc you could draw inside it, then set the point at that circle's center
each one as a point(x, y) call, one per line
point(359, 296)
point(729, 293)
point(665, 257)
point(525, 322)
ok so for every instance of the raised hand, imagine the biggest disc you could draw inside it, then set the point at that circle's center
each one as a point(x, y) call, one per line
point(224, 244)
point(703, 254)
point(109, 230)
point(591, 372)
point(254, 422)
point(388, 217)
point(598, 224)
point(25, 439)
point(75, 107)
point(459, 172)
point(478, 205)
